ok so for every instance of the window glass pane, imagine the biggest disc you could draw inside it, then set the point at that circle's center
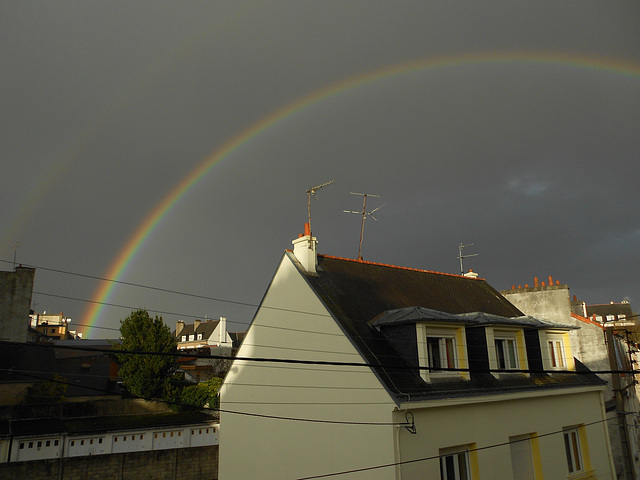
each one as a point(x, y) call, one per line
point(553, 355)
point(449, 472)
point(455, 467)
point(559, 353)
point(511, 351)
point(433, 346)
point(500, 353)
point(576, 450)
point(573, 450)
point(462, 466)
point(450, 353)
point(567, 448)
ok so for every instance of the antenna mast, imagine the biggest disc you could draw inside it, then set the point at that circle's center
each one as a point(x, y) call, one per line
point(460, 256)
point(364, 214)
point(15, 251)
point(312, 191)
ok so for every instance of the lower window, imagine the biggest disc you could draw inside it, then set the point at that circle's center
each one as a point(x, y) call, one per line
point(573, 450)
point(454, 465)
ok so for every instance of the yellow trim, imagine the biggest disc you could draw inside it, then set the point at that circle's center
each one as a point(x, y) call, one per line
point(535, 457)
point(473, 462)
point(523, 363)
point(571, 364)
point(584, 449)
point(462, 351)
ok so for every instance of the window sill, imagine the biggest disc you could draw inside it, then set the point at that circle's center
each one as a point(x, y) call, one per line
point(584, 475)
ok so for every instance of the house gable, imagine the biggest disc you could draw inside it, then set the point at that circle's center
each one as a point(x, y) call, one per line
point(293, 323)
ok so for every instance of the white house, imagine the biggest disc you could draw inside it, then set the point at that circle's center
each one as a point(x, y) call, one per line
point(404, 374)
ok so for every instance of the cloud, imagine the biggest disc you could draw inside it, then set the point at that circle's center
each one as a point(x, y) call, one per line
point(529, 186)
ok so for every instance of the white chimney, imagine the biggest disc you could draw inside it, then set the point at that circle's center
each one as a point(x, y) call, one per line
point(179, 327)
point(222, 331)
point(305, 250)
point(471, 274)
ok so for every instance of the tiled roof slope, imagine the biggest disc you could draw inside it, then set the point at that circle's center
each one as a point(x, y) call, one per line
point(356, 292)
point(363, 290)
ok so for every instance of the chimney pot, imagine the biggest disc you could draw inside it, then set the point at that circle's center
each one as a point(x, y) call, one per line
point(535, 281)
point(550, 280)
point(543, 284)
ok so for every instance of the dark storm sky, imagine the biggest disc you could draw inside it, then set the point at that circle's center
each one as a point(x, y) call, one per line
point(530, 152)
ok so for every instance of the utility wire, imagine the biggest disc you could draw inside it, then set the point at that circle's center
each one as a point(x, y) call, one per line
point(220, 410)
point(165, 290)
point(316, 362)
point(257, 326)
point(435, 457)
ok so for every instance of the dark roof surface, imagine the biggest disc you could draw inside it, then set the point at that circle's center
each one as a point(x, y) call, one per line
point(110, 423)
point(358, 293)
point(610, 309)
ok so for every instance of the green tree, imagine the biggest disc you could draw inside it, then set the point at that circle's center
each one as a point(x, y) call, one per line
point(147, 376)
point(203, 394)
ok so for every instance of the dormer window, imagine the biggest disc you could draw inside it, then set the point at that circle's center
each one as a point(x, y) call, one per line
point(506, 353)
point(199, 336)
point(441, 348)
point(441, 351)
point(184, 338)
point(192, 337)
point(557, 351)
point(507, 349)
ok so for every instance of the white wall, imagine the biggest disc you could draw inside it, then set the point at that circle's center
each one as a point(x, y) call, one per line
point(492, 423)
point(38, 448)
point(267, 448)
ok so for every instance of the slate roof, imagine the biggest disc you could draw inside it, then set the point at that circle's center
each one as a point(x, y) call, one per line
point(611, 309)
point(206, 328)
point(376, 305)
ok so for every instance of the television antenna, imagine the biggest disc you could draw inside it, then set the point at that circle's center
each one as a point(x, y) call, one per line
point(312, 191)
point(460, 256)
point(364, 214)
point(15, 251)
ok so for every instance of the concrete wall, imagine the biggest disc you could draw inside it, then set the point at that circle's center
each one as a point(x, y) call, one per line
point(253, 447)
point(196, 463)
point(553, 303)
point(16, 289)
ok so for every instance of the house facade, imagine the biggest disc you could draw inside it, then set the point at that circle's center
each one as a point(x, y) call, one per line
point(404, 374)
point(602, 344)
point(205, 339)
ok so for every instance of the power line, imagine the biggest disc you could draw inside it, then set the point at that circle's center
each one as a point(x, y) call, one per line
point(255, 325)
point(173, 292)
point(220, 410)
point(435, 457)
point(320, 362)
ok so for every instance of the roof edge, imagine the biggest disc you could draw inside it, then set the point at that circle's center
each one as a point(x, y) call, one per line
point(400, 268)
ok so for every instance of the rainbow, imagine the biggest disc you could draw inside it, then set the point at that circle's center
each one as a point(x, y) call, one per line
point(151, 222)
